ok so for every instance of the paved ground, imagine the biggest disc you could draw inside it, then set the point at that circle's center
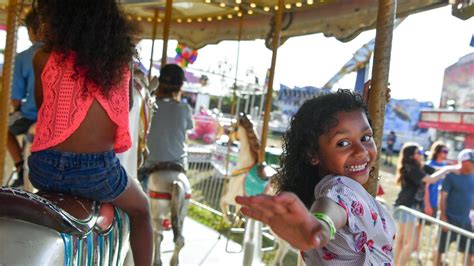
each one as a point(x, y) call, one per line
point(203, 247)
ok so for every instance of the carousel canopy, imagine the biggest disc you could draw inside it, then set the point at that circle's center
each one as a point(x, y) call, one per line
point(200, 22)
point(197, 23)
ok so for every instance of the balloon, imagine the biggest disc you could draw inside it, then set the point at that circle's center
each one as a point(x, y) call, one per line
point(185, 55)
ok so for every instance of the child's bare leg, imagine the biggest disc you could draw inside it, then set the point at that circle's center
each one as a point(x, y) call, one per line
point(399, 241)
point(408, 242)
point(135, 203)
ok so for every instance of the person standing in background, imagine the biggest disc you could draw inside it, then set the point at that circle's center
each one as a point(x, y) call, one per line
point(438, 155)
point(22, 99)
point(391, 139)
point(457, 199)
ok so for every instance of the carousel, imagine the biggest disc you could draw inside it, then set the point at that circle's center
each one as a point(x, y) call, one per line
point(39, 228)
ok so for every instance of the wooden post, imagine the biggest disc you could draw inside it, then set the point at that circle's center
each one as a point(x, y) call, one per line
point(233, 114)
point(166, 30)
point(268, 100)
point(153, 34)
point(383, 46)
point(10, 50)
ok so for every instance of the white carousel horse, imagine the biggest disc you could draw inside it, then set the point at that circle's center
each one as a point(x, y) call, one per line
point(247, 159)
point(169, 191)
point(56, 229)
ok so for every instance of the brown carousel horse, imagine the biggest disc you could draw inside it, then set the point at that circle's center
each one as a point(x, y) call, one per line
point(47, 228)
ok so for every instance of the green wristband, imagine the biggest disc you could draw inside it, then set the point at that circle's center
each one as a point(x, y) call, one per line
point(326, 219)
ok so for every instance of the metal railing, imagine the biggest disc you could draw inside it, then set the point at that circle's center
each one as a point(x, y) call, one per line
point(433, 233)
point(205, 180)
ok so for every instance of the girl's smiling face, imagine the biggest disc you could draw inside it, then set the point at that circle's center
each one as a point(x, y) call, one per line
point(348, 149)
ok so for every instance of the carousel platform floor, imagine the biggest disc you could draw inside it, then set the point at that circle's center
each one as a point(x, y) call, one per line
point(203, 247)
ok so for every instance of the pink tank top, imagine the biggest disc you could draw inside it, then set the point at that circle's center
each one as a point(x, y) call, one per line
point(66, 103)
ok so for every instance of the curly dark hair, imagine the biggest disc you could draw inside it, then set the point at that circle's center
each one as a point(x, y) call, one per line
point(407, 161)
point(300, 143)
point(96, 30)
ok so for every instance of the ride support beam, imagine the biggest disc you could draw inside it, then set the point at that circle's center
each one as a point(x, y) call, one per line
point(271, 77)
point(10, 49)
point(166, 31)
point(383, 46)
point(153, 33)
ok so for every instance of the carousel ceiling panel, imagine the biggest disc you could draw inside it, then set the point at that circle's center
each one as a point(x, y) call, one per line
point(200, 22)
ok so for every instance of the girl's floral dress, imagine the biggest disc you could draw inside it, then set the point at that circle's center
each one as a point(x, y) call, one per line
point(368, 236)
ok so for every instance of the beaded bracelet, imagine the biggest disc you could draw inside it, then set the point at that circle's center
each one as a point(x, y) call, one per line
point(326, 219)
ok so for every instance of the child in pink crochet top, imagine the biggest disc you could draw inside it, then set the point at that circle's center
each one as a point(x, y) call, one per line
point(82, 93)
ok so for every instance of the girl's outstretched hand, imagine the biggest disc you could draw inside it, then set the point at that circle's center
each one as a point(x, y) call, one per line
point(288, 218)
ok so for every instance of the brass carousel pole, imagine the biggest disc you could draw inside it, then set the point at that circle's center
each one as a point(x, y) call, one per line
point(253, 229)
point(153, 34)
point(166, 31)
point(10, 48)
point(383, 46)
point(268, 100)
point(232, 113)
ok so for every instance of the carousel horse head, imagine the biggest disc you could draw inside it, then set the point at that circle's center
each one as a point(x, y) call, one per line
point(243, 131)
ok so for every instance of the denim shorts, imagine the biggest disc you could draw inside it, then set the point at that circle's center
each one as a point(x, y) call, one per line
point(96, 176)
point(405, 217)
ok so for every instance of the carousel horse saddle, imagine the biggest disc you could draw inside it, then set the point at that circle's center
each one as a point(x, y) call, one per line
point(258, 179)
point(63, 213)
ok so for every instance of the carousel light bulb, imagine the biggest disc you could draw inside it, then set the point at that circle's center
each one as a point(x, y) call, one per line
point(298, 4)
point(179, 20)
point(253, 5)
point(139, 18)
point(189, 20)
point(199, 19)
point(129, 17)
point(207, 1)
point(310, 2)
point(276, 7)
point(222, 4)
point(288, 6)
point(209, 19)
point(219, 17)
point(159, 20)
point(229, 16)
point(236, 8)
point(250, 12)
point(149, 19)
point(239, 14)
point(238, 1)
point(266, 9)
